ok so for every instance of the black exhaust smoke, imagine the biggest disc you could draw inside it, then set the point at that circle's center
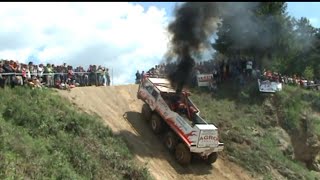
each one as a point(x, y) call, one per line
point(194, 23)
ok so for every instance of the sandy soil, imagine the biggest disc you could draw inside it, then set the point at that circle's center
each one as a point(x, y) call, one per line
point(119, 107)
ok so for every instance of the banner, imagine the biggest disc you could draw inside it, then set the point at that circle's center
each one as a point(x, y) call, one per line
point(204, 79)
point(269, 86)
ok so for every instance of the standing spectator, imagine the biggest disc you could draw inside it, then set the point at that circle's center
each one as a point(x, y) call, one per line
point(268, 74)
point(138, 77)
point(19, 79)
point(108, 77)
point(94, 71)
point(58, 76)
point(215, 74)
point(86, 78)
point(81, 74)
point(30, 72)
point(2, 79)
point(49, 72)
point(24, 72)
point(91, 75)
point(249, 68)
point(254, 74)
point(100, 75)
point(241, 79)
point(65, 73)
point(13, 66)
point(104, 73)
point(162, 69)
point(258, 72)
point(35, 71)
point(8, 69)
point(70, 76)
point(54, 71)
point(40, 72)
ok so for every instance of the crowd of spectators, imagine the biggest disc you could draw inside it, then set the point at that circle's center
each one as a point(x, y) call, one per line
point(13, 73)
point(243, 70)
point(294, 80)
point(221, 70)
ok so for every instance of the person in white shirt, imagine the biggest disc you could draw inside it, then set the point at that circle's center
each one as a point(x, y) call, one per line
point(249, 68)
point(40, 71)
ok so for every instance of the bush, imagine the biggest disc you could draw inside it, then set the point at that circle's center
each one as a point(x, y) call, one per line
point(308, 73)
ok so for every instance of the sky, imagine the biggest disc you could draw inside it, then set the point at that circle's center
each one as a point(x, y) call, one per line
point(124, 37)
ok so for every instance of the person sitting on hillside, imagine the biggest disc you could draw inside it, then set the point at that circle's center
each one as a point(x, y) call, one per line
point(34, 83)
point(213, 85)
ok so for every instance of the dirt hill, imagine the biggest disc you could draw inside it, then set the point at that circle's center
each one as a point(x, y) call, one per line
point(120, 109)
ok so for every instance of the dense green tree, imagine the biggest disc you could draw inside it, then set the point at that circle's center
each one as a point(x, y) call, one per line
point(276, 40)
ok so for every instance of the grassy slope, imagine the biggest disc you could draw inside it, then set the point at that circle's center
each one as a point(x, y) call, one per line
point(43, 136)
point(250, 129)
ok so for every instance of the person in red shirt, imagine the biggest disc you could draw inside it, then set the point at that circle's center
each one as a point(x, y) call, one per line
point(269, 75)
point(70, 75)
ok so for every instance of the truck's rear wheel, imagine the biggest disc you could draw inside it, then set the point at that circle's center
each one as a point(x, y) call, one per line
point(146, 112)
point(212, 158)
point(156, 123)
point(183, 154)
point(171, 141)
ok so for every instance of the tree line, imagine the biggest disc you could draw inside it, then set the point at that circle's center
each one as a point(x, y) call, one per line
point(276, 40)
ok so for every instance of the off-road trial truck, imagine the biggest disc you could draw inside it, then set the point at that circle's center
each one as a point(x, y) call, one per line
point(174, 114)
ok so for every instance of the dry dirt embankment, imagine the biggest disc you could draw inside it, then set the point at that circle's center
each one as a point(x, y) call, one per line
point(120, 109)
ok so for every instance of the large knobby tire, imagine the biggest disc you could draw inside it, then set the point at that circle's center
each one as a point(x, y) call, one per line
point(171, 141)
point(212, 158)
point(146, 112)
point(183, 154)
point(156, 124)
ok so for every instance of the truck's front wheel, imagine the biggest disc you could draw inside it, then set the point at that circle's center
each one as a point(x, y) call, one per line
point(156, 123)
point(183, 154)
point(146, 112)
point(212, 158)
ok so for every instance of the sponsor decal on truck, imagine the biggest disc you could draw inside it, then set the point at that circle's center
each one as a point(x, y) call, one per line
point(208, 139)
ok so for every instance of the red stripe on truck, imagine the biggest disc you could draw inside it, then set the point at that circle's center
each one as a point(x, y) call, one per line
point(176, 128)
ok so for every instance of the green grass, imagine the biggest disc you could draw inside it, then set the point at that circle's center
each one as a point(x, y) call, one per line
point(298, 102)
point(43, 136)
point(237, 113)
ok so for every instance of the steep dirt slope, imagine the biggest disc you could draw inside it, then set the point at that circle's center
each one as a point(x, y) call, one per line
point(120, 109)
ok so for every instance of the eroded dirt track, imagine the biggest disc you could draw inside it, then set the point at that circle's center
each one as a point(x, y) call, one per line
point(120, 109)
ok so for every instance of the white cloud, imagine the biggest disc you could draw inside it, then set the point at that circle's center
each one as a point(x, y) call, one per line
point(315, 22)
point(119, 35)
